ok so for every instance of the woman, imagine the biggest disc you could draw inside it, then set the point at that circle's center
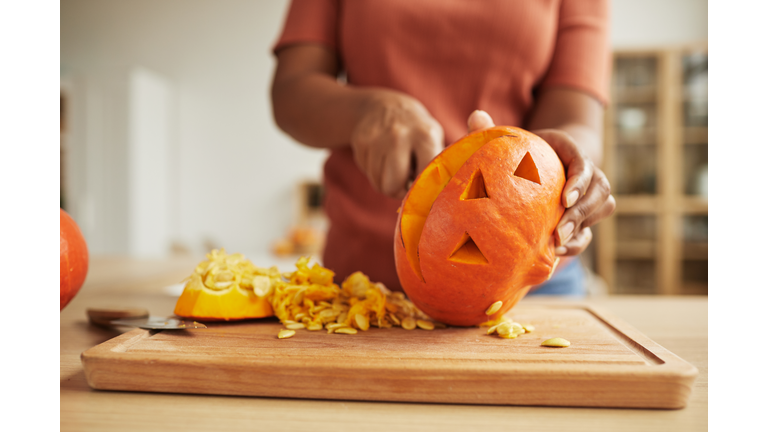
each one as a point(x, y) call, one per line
point(415, 72)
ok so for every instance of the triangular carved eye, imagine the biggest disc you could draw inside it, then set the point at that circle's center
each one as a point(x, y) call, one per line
point(468, 252)
point(527, 169)
point(476, 188)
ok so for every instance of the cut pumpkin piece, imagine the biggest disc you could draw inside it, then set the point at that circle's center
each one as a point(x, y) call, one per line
point(227, 287)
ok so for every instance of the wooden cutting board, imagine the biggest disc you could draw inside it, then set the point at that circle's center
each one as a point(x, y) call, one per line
point(609, 363)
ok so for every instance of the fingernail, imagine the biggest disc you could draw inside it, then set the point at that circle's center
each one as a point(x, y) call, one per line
point(561, 250)
point(571, 198)
point(564, 232)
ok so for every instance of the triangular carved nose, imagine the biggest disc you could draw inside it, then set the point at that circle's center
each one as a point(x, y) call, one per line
point(527, 169)
point(467, 252)
point(476, 187)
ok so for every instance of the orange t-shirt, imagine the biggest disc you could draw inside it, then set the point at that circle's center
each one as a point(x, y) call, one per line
point(454, 56)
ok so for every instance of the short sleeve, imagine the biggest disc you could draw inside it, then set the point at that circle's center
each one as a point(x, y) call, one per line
point(582, 57)
point(309, 21)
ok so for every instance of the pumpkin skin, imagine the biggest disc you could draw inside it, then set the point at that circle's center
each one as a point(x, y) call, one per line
point(73, 264)
point(487, 234)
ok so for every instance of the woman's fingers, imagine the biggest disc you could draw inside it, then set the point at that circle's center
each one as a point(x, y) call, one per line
point(579, 169)
point(426, 146)
point(577, 244)
point(594, 199)
point(395, 170)
point(479, 119)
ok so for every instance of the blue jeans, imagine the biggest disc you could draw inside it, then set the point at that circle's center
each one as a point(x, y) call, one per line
point(567, 282)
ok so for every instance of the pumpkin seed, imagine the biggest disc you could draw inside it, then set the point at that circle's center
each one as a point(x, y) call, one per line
point(345, 330)
point(262, 286)
point(408, 323)
point(313, 326)
point(425, 325)
point(342, 317)
point(556, 342)
point(295, 326)
point(362, 322)
point(528, 328)
point(504, 328)
point(298, 298)
point(318, 308)
point(284, 334)
point(492, 309)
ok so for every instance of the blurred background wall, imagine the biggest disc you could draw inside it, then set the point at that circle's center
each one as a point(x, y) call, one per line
point(168, 142)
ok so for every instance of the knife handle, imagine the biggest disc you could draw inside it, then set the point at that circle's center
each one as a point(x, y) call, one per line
point(104, 317)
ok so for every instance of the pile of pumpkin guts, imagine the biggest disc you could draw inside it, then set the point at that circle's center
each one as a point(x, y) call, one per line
point(229, 287)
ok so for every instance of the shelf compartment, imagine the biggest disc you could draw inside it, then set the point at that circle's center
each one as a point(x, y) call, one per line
point(695, 276)
point(697, 251)
point(695, 135)
point(695, 160)
point(637, 165)
point(635, 277)
point(636, 237)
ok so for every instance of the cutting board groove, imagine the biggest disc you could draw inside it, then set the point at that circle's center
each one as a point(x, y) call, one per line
point(609, 363)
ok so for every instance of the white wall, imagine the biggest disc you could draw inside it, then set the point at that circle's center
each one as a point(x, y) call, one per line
point(657, 23)
point(235, 173)
point(232, 173)
point(149, 153)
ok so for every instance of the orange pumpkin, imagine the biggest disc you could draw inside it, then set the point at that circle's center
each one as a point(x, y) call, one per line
point(73, 254)
point(477, 225)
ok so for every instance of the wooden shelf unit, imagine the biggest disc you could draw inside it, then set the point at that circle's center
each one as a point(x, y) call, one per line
point(655, 130)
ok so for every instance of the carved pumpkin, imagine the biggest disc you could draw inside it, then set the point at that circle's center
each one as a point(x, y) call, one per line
point(477, 225)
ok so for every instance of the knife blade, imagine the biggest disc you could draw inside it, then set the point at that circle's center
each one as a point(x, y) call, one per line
point(159, 323)
point(136, 317)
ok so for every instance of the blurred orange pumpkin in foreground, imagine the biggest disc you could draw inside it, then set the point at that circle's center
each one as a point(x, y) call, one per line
point(74, 258)
point(477, 225)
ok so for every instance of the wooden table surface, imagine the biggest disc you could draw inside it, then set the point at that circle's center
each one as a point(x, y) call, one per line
point(677, 323)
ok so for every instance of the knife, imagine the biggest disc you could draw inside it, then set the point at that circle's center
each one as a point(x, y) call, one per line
point(136, 317)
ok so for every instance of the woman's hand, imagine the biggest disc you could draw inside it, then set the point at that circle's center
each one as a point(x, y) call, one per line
point(586, 195)
point(393, 140)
